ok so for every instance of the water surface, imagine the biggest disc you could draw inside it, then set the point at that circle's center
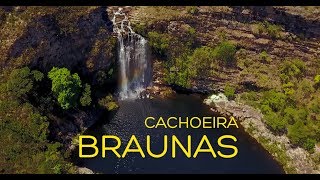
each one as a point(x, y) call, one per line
point(129, 120)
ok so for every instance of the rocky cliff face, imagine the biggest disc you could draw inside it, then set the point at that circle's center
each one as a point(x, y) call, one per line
point(78, 38)
point(296, 34)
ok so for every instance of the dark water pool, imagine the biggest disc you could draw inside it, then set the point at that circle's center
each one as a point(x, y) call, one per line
point(129, 119)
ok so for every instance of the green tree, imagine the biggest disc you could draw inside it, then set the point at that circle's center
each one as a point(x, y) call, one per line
point(85, 99)
point(275, 121)
point(202, 60)
point(302, 134)
point(292, 69)
point(229, 91)
point(275, 100)
point(159, 42)
point(180, 71)
point(21, 81)
point(65, 86)
point(108, 103)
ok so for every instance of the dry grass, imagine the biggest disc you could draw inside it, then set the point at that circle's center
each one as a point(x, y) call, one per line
point(17, 21)
point(151, 14)
point(308, 12)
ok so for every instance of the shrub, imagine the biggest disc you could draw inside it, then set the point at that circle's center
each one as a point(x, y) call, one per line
point(301, 134)
point(288, 88)
point(275, 100)
point(191, 31)
point(180, 71)
point(202, 60)
point(103, 76)
point(225, 52)
point(292, 115)
point(314, 105)
point(317, 81)
point(292, 69)
point(276, 122)
point(258, 28)
point(251, 98)
point(108, 103)
point(21, 81)
point(140, 29)
point(303, 91)
point(159, 42)
point(272, 30)
point(25, 143)
point(85, 99)
point(192, 9)
point(309, 145)
point(264, 57)
point(229, 91)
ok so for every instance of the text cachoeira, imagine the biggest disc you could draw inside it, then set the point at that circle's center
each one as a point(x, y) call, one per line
point(226, 143)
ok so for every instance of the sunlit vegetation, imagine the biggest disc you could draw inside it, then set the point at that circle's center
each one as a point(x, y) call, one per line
point(185, 62)
point(317, 81)
point(192, 9)
point(65, 86)
point(265, 57)
point(294, 109)
point(272, 30)
point(159, 43)
point(108, 103)
point(229, 91)
point(85, 99)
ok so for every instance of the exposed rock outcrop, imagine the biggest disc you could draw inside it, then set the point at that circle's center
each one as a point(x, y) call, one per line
point(84, 170)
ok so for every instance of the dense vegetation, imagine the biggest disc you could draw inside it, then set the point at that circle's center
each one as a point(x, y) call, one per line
point(185, 60)
point(286, 89)
point(67, 88)
point(35, 97)
point(294, 108)
point(24, 129)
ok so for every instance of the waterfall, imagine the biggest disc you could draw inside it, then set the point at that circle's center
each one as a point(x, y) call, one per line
point(134, 67)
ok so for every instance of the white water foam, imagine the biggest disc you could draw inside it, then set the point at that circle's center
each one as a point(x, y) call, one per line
point(133, 58)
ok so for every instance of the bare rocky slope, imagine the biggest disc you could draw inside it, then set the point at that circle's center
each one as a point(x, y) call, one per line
point(298, 37)
point(78, 38)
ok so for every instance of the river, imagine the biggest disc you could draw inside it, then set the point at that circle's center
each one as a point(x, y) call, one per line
point(129, 119)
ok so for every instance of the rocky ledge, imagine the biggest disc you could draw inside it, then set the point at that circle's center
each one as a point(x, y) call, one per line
point(294, 159)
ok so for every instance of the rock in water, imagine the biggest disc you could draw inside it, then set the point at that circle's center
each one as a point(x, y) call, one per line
point(216, 99)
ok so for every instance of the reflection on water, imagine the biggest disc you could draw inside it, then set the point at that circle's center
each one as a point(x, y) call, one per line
point(129, 120)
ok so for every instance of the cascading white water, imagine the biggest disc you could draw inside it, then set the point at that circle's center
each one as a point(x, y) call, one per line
point(133, 58)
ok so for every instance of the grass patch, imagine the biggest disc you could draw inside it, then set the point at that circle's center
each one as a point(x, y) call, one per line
point(272, 30)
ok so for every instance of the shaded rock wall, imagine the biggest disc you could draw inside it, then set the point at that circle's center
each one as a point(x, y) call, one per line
point(85, 45)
